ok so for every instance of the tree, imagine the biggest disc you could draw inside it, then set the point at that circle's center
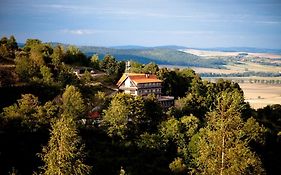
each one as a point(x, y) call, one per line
point(64, 153)
point(8, 47)
point(223, 145)
point(29, 113)
point(12, 43)
point(39, 53)
point(135, 67)
point(179, 132)
point(4, 52)
point(125, 116)
point(176, 83)
point(151, 68)
point(47, 75)
point(95, 61)
point(25, 68)
point(23, 109)
point(75, 56)
point(30, 43)
point(87, 77)
point(73, 103)
point(66, 76)
point(154, 112)
point(58, 55)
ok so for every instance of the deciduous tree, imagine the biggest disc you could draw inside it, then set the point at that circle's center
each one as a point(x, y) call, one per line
point(223, 144)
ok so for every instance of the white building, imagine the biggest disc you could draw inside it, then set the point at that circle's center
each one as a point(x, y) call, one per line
point(142, 85)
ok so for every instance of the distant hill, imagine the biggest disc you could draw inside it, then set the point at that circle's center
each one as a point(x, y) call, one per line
point(128, 47)
point(174, 47)
point(158, 55)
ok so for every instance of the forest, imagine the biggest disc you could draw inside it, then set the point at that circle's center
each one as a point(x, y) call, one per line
point(54, 122)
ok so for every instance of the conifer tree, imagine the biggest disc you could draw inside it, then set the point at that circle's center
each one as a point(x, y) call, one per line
point(73, 103)
point(64, 153)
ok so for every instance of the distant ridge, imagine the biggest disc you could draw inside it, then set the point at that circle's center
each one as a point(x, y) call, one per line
point(175, 47)
point(128, 47)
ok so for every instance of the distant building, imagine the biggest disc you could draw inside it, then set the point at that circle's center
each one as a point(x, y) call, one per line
point(142, 85)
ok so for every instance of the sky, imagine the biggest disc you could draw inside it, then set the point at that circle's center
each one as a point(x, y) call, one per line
point(190, 23)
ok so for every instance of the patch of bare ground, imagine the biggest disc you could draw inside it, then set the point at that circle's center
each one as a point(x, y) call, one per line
point(265, 55)
point(206, 53)
point(261, 95)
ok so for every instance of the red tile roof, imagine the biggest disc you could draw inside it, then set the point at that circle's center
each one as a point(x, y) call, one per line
point(139, 78)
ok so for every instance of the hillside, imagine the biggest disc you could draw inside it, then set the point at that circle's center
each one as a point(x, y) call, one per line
point(159, 55)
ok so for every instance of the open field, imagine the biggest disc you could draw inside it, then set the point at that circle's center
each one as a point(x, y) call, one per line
point(266, 55)
point(233, 68)
point(260, 95)
point(216, 71)
point(206, 53)
point(247, 66)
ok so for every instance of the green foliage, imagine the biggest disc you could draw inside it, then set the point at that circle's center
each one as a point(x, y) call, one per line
point(58, 55)
point(47, 76)
point(179, 132)
point(95, 63)
point(178, 166)
point(151, 68)
point(4, 52)
point(125, 117)
point(202, 97)
point(86, 77)
point(12, 43)
point(8, 47)
point(176, 83)
point(66, 76)
point(28, 112)
point(25, 67)
point(154, 113)
point(151, 141)
point(136, 67)
point(64, 153)
point(112, 67)
point(73, 103)
point(223, 144)
point(270, 118)
point(30, 43)
point(75, 56)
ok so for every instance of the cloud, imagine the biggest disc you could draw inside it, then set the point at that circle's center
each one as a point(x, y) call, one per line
point(165, 32)
point(79, 31)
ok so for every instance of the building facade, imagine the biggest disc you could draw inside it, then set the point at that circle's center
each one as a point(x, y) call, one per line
point(142, 85)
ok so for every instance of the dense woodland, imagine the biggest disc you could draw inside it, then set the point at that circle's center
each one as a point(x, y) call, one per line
point(52, 122)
